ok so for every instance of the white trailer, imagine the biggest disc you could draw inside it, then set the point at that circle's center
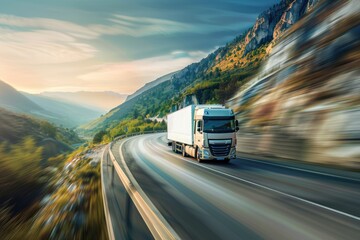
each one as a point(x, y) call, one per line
point(181, 124)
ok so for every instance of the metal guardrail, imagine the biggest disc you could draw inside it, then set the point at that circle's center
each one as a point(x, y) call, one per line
point(109, 227)
point(158, 226)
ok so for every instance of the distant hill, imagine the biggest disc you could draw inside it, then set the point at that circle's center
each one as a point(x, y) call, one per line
point(30, 151)
point(67, 114)
point(11, 99)
point(151, 84)
point(56, 111)
point(99, 101)
point(15, 127)
point(217, 77)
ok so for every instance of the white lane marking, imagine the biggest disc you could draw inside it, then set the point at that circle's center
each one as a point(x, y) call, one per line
point(109, 224)
point(158, 226)
point(264, 187)
point(303, 170)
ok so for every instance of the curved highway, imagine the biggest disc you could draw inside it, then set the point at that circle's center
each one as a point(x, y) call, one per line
point(245, 199)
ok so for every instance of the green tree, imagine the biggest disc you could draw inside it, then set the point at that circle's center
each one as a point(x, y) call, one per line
point(48, 129)
point(99, 136)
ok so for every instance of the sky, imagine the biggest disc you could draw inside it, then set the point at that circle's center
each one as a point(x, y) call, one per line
point(112, 45)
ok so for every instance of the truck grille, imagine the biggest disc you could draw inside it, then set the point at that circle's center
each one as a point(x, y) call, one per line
point(220, 150)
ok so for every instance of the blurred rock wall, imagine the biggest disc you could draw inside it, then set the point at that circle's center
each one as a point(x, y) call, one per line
point(304, 104)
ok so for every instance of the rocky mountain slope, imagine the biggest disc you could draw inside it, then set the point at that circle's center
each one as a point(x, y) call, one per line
point(304, 102)
point(216, 77)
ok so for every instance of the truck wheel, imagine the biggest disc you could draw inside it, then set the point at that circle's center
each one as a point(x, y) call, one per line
point(183, 151)
point(173, 146)
point(198, 156)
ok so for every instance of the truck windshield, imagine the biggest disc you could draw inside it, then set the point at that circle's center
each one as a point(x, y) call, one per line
point(219, 126)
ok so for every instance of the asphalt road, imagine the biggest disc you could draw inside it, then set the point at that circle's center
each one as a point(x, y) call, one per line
point(245, 199)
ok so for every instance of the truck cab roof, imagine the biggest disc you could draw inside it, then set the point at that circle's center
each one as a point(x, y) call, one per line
point(209, 106)
point(212, 111)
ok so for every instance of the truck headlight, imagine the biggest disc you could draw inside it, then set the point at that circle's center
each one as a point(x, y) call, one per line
point(206, 153)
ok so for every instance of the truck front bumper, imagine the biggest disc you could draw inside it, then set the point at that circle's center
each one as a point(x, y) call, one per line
point(205, 154)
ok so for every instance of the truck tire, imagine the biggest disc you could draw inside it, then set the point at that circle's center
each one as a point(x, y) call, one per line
point(173, 147)
point(198, 156)
point(183, 151)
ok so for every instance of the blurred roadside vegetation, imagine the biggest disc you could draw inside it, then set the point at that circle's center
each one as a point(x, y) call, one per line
point(15, 127)
point(48, 189)
point(61, 201)
point(74, 210)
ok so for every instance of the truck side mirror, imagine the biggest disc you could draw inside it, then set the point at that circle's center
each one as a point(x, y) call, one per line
point(199, 129)
point(237, 128)
point(236, 123)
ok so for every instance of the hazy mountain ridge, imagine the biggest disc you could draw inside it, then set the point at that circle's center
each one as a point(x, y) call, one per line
point(10, 98)
point(56, 111)
point(65, 113)
point(99, 101)
point(215, 71)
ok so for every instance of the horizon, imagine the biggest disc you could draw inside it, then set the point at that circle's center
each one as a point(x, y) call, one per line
point(116, 47)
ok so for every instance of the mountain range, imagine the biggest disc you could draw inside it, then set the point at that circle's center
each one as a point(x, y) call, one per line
point(11, 99)
point(54, 110)
point(99, 101)
point(215, 78)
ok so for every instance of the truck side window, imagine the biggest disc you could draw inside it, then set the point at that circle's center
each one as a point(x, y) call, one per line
point(199, 126)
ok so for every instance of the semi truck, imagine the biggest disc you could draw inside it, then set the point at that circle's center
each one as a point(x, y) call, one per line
point(205, 132)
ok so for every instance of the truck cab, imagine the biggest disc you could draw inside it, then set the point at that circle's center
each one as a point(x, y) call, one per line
point(214, 133)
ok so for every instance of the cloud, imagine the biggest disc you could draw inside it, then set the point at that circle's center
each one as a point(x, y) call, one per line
point(129, 76)
point(43, 41)
point(69, 28)
point(50, 41)
point(48, 53)
point(42, 47)
point(142, 26)
point(118, 25)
